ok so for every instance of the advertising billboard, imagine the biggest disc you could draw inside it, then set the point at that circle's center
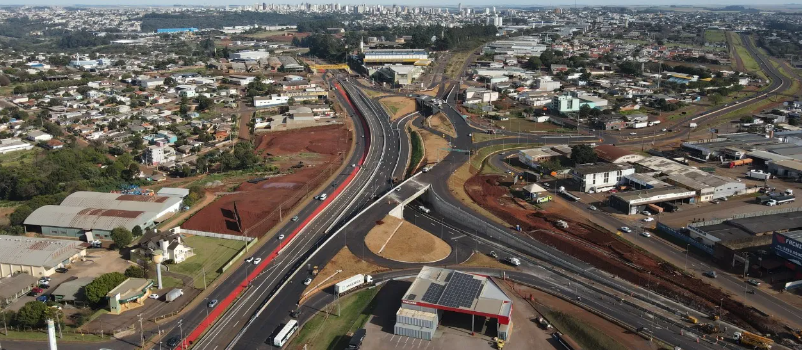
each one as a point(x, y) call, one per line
point(787, 247)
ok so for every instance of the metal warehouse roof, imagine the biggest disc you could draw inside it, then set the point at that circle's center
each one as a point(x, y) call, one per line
point(88, 218)
point(29, 251)
point(119, 201)
point(458, 291)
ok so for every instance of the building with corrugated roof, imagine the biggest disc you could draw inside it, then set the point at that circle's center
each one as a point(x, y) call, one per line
point(614, 154)
point(162, 205)
point(37, 256)
point(80, 222)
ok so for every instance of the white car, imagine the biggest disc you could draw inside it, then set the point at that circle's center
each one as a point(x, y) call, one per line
point(649, 219)
point(646, 234)
point(626, 229)
point(249, 260)
point(633, 133)
point(308, 281)
point(592, 207)
point(280, 237)
point(257, 261)
point(646, 212)
point(153, 296)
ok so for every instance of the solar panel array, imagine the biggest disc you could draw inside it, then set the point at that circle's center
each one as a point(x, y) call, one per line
point(461, 291)
point(433, 293)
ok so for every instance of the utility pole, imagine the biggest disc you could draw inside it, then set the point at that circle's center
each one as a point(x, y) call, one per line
point(181, 329)
point(141, 332)
point(5, 326)
point(204, 277)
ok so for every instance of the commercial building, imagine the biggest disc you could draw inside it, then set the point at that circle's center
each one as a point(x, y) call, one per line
point(13, 145)
point(786, 168)
point(394, 56)
point(600, 177)
point(617, 155)
point(534, 156)
point(274, 100)
point(707, 186)
point(632, 202)
point(437, 290)
point(72, 290)
point(249, 55)
point(129, 295)
point(37, 135)
point(398, 74)
point(37, 256)
point(788, 245)
point(15, 287)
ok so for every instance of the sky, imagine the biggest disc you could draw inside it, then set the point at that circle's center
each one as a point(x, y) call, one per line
point(470, 3)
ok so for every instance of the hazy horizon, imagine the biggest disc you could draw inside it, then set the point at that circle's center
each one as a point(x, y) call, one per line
point(509, 3)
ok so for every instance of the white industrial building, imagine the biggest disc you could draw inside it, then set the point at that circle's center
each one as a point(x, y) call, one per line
point(395, 56)
point(274, 100)
point(13, 145)
point(438, 290)
point(37, 256)
point(600, 177)
point(250, 55)
point(161, 205)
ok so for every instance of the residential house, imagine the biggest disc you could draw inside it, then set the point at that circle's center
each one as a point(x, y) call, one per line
point(172, 246)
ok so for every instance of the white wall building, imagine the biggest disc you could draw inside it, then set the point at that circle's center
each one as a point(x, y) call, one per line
point(13, 145)
point(600, 177)
point(271, 101)
point(155, 155)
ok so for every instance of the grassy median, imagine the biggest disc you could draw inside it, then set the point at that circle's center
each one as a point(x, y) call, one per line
point(417, 151)
point(584, 334)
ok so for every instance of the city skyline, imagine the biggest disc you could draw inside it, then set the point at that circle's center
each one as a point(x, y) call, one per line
point(475, 4)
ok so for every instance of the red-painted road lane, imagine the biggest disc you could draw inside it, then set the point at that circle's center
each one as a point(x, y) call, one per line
point(225, 303)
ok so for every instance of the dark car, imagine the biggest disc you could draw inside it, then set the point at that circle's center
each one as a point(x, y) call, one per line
point(61, 270)
point(43, 298)
point(172, 342)
point(295, 313)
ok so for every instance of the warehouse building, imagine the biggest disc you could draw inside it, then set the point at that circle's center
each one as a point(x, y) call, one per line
point(85, 223)
point(632, 202)
point(617, 155)
point(600, 177)
point(395, 56)
point(438, 290)
point(162, 205)
point(72, 290)
point(37, 256)
point(707, 186)
point(15, 287)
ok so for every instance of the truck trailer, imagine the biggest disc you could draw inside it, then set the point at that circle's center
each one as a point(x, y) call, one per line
point(352, 283)
point(758, 174)
point(758, 342)
point(740, 162)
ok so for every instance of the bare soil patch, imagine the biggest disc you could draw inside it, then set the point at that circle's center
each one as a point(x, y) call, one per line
point(433, 146)
point(482, 260)
point(413, 244)
point(259, 202)
point(347, 263)
point(441, 123)
point(380, 235)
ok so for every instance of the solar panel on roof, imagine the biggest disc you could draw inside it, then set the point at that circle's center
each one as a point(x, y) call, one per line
point(433, 293)
point(461, 291)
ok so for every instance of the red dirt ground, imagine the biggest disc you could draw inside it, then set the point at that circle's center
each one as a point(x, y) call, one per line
point(258, 204)
point(605, 251)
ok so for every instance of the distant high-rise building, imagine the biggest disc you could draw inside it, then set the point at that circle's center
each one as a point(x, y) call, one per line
point(494, 9)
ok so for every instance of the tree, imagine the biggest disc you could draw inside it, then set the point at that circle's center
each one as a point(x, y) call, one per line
point(793, 121)
point(97, 289)
point(583, 154)
point(136, 231)
point(31, 314)
point(715, 98)
point(204, 103)
point(18, 216)
point(534, 62)
point(747, 119)
point(4, 81)
point(134, 271)
point(121, 237)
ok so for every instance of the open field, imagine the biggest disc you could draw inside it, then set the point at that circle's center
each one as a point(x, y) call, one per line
point(344, 261)
point(742, 60)
point(328, 331)
point(20, 157)
point(715, 36)
point(210, 255)
point(455, 64)
point(398, 106)
point(482, 260)
point(523, 125)
point(380, 234)
point(319, 148)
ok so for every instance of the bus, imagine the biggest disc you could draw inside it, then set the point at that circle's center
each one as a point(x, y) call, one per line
point(285, 333)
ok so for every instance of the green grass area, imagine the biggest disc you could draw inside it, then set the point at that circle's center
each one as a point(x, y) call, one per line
point(524, 125)
point(715, 36)
point(479, 137)
point(328, 331)
point(372, 93)
point(172, 282)
point(6, 90)
point(586, 335)
point(20, 157)
point(70, 335)
point(391, 107)
point(454, 65)
point(417, 150)
point(479, 157)
point(210, 255)
point(750, 65)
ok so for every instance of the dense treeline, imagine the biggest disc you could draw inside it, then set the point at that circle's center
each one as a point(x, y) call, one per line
point(318, 26)
point(323, 46)
point(47, 85)
point(82, 39)
point(153, 21)
point(18, 27)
